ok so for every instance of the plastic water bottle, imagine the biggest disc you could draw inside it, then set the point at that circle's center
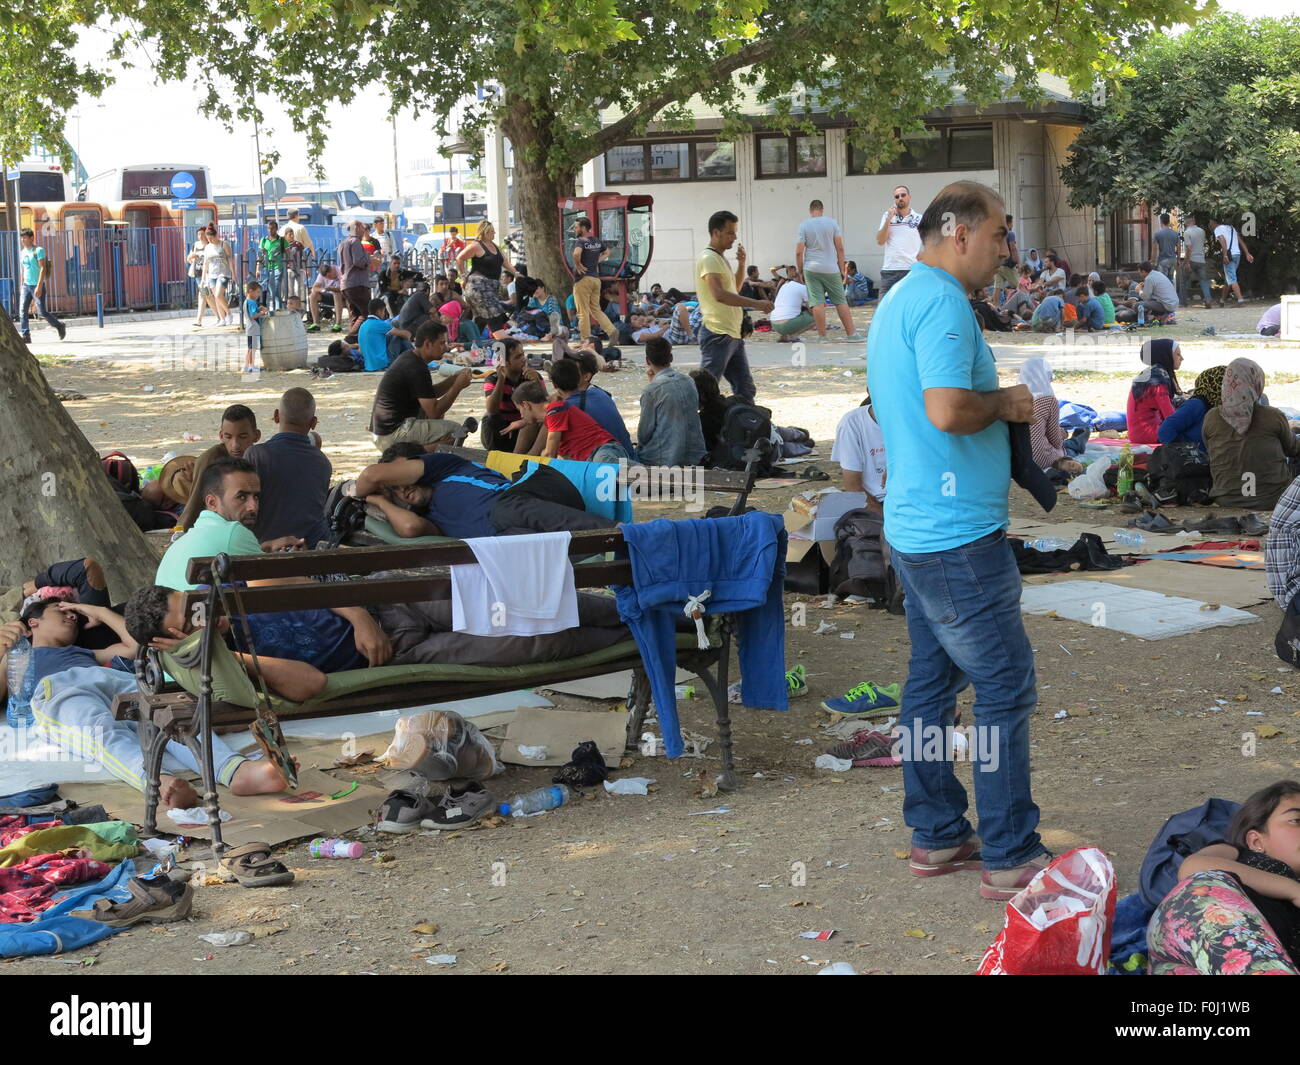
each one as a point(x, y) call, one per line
point(1129, 538)
point(536, 802)
point(1124, 480)
point(1142, 314)
point(1049, 543)
point(334, 848)
point(21, 681)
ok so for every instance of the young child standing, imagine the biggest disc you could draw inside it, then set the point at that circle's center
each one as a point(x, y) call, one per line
point(570, 433)
point(254, 312)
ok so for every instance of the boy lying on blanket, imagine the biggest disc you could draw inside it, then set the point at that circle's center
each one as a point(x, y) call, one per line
point(72, 702)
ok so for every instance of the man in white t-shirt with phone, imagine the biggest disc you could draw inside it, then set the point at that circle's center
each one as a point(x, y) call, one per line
point(900, 236)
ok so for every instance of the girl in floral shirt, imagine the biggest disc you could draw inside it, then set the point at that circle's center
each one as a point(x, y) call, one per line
point(1236, 908)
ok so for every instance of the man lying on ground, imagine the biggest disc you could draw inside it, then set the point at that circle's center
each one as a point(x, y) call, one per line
point(72, 704)
point(443, 495)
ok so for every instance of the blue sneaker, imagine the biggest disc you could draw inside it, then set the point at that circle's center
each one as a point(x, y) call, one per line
point(865, 700)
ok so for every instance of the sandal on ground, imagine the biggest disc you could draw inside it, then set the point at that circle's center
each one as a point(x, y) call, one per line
point(153, 899)
point(254, 866)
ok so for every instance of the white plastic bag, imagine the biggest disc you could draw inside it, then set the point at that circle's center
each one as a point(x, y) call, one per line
point(441, 745)
point(1091, 484)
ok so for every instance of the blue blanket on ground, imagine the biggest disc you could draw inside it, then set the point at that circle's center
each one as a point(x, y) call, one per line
point(56, 932)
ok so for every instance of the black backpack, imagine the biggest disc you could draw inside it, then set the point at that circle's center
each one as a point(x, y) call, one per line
point(861, 563)
point(1181, 467)
point(743, 425)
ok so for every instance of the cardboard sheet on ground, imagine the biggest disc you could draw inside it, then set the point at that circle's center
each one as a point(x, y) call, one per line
point(560, 731)
point(264, 818)
point(1236, 588)
point(1134, 611)
point(606, 686)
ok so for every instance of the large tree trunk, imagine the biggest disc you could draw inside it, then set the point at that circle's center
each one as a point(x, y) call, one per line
point(55, 502)
point(536, 193)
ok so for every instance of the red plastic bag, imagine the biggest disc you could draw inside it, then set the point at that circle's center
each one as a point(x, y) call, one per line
point(1060, 924)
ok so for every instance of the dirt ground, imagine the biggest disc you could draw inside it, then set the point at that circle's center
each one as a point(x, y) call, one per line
point(665, 883)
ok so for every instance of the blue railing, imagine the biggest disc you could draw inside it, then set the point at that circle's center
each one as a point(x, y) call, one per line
point(130, 269)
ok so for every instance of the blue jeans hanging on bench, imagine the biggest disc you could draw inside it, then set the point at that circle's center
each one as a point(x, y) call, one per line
point(741, 562)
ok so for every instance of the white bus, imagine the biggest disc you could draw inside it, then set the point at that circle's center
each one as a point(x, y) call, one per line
point(148, 181)
point(40, 181)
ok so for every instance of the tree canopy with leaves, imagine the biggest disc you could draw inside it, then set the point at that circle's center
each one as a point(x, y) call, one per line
point(1210, 123)
point(558, 63)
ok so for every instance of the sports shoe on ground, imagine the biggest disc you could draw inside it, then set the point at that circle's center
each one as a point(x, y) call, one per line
point(313, 328)
point(403, 811)
point(796, 681)
point(947, 860)
point(868, 749)
point(1003, 884)
point(865, 700)
point(336, 329)
point(856, 336)
point(796, 684)
point(458, 808)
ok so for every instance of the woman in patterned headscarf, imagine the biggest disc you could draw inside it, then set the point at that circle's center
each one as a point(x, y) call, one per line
point(1185, 423)
point(1248, 444)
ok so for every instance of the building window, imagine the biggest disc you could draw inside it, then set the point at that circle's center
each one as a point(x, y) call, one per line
point(943, 148)
point(794, 155)
point(659, 161)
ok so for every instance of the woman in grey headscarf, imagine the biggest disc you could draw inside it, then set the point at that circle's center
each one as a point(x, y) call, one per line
point(1249, 444)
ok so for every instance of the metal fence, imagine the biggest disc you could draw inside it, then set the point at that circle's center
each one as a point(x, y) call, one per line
point(121, 268)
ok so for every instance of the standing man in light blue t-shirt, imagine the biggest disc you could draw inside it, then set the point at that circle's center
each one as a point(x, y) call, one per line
point(36, 270)
point(934, 391)
point(819, 258)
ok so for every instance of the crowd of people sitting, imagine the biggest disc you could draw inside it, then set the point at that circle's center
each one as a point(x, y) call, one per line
point(1246, 450)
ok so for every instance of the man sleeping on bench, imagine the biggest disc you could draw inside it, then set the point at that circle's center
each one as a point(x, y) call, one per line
point(444, 495)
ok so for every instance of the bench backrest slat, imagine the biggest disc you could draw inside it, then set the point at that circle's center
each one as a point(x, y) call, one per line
point(359, 560)
point(270, 599)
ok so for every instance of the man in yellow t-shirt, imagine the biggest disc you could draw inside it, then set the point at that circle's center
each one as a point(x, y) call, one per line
point(722, 351)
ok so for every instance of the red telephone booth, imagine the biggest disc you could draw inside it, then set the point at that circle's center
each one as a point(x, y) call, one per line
point(624, 224)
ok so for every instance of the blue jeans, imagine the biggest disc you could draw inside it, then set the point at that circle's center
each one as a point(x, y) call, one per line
point(397, 345)
point(1074, 445)
point(611, 452)
point(26, 297)
point(963, 617)
point(274, 285)
point(724, 356)
point(1230, 269)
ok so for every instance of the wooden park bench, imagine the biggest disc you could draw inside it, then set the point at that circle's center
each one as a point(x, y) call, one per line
point(211, 689)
